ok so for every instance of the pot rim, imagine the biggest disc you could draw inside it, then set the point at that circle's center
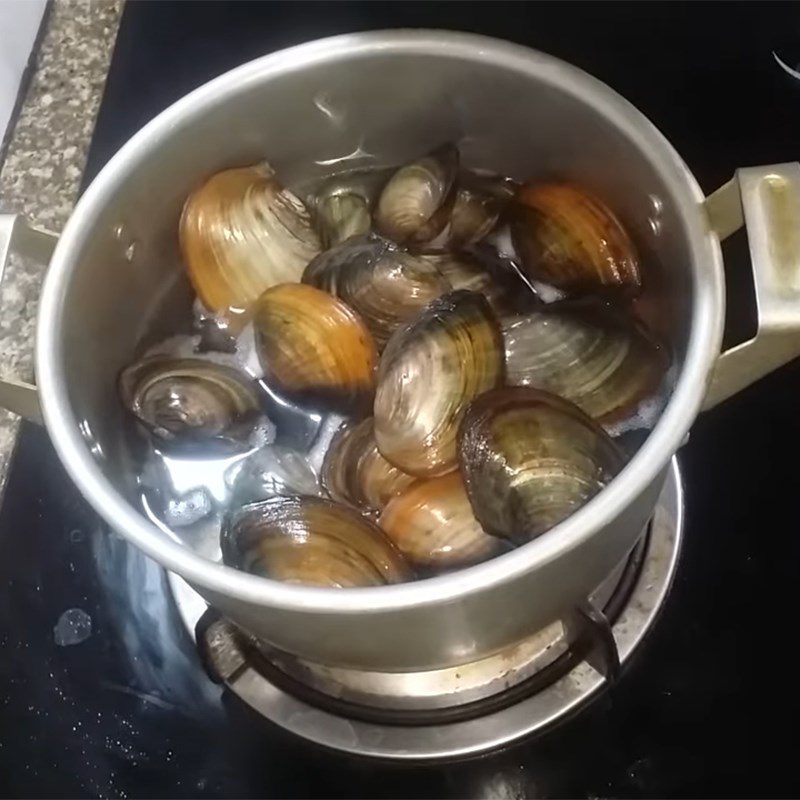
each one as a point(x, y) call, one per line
point(667, 436)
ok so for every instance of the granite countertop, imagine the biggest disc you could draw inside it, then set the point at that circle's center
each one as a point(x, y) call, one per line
point(44, 161)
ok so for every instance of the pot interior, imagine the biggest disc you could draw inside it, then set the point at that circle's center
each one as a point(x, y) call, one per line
point(316, 112)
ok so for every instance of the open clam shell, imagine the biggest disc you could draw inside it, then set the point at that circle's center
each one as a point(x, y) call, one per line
point(241, 232)
point(315, 349)
point(310, 541)
point(570, 239)
point(355, 472)
point(432, 524)
point(530, 459)
point(430, 371)
point(415, 204)
point(385, 285)
point(603, 363)
point(190, 399)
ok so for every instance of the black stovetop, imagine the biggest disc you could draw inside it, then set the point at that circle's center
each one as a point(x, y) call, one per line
point(707, 705)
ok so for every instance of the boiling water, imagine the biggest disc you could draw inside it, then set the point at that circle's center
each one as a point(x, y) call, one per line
point(187, 493)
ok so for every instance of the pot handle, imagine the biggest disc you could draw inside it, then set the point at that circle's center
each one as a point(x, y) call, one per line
point(767, 201)
point(16, 236)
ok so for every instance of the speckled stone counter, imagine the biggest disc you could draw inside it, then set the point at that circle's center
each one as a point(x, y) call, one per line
point(44, 162)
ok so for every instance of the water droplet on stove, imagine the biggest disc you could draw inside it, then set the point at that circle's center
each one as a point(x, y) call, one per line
point(73, 627)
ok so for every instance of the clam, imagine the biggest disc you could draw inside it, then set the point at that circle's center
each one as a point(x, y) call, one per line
point(341, 210)
point(314, 349)
point(513, 289)
point(190, 399)
point(355, 472)
point(530, 459)
point(415, 204)
point(603, 363)
point(242, 232)
point(571, 240)
point(385, 285)
point(431, 369)
point(463, 270)
point(432, 524)
point(310, 541)
point(478, 203)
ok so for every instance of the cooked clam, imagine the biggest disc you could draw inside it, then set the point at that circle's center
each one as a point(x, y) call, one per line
point(310, 541)
point(530, 459)
point(189, 399)
point(432, 525)
point(313, 348)
point(242, 232)
point(355, 472)
point(415, 204)
point(601, 362)
point(385, 285)
point(568, 238)
point(430, 370)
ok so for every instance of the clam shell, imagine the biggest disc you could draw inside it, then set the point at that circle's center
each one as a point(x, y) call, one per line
point(341, 210)
point(189, 399)
point(603, 363)
point(479, 201)
point(383, 284)
point(530, 459)
point(355, 472)
point(432, 525)
point(464, 271)
point(242, 232)
point(415, 204)
point(570, 239)
point(310, 541)
point(430, 371)
point(315, 349)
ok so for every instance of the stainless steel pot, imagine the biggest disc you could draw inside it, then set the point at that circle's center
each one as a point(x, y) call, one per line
point(394, 95)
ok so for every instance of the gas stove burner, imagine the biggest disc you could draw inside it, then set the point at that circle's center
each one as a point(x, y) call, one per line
point(458, 711)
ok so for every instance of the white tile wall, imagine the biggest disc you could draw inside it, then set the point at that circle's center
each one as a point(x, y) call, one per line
point(19, 23)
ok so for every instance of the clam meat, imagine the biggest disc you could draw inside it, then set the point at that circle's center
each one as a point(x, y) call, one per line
point(315, 349)
point(242, 232)
point(415, 204)
point(310, 541)
point(355, 472)
point(603, 363)
point(530, 459)
point(571, 240)
point(190, 399)
point(430, 370)
point(432, 524)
